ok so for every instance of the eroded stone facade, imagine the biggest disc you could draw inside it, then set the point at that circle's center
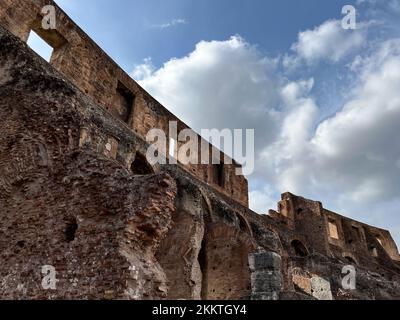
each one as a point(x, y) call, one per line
point(77, 193)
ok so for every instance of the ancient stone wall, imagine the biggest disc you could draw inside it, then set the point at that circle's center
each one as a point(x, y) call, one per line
point(67, 205)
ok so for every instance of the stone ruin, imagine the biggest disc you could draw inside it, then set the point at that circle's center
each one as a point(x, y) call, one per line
point(77, 193)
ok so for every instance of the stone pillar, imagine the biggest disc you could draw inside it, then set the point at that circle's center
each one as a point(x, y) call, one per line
point(266, 275)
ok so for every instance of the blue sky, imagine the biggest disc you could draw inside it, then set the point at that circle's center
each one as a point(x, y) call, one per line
point(324, 101)
point(127, 29)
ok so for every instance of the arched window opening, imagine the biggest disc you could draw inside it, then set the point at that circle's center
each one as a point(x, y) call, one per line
point(356, 232)
point(244, 225)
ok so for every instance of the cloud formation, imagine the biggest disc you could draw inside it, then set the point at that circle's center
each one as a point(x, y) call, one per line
point(221, 84)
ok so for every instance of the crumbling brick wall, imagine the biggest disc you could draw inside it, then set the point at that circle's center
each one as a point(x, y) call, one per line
point(76, 209)
point(87, 66)
point(76, 193)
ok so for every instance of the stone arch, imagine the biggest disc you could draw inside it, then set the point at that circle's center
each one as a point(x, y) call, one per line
point(224, 260)
point(223, 257)
point(36, 150)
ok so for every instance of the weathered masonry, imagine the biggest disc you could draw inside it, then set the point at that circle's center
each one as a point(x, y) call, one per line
point(77, 193)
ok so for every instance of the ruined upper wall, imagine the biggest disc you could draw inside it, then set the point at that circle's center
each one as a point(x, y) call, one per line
point(329, 233)
point(87, 66)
